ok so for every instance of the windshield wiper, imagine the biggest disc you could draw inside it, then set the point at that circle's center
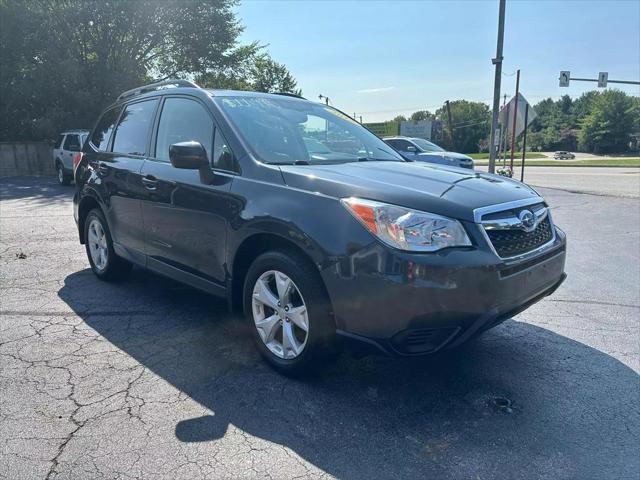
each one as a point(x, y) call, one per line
point(374, 159)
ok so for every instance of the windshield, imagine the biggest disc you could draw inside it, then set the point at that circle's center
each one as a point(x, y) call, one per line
point(286, 131)
point(427, 146)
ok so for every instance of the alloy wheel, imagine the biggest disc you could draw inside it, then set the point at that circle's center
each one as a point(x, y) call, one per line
point(280, 314)
point(98, 244)
point(60, 174)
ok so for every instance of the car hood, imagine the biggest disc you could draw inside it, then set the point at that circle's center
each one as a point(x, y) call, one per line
point(443, 190)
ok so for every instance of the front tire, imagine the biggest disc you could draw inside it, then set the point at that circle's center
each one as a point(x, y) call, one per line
point(99, 245)
point(288, 312)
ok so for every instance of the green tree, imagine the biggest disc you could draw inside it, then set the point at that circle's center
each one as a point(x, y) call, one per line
point(267, 75)
point(608, 127)
point(471, 122)
point(63, 61)
point(421, 115)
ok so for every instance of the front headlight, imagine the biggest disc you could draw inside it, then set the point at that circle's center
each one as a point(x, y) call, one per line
point(407, 229)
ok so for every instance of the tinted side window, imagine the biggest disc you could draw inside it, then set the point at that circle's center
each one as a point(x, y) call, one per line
point(132, 132)
point(183, 120)
point(72, 143)
point(403, 145)
point(59, 141)
point(102, 132)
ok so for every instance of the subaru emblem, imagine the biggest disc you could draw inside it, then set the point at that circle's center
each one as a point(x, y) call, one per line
point(528, 220)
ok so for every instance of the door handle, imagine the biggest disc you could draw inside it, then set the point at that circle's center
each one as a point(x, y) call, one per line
point(150, 182)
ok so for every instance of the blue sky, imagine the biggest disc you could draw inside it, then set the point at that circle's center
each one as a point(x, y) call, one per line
point(382, 58)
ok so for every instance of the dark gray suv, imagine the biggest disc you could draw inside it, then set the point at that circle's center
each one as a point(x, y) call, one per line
point(309, 223)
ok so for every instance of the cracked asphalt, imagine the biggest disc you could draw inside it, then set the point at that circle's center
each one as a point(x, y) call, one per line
point(150, 379)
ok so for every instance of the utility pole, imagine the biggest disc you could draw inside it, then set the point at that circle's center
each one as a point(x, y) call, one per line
point(515, 119)
point(502, 130)
point(524, 140)
point(450, 125)
point(497, 61)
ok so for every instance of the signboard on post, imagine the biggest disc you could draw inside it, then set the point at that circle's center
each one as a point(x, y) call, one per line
point(420, 129)
point(565, 76)
point(506, 114)
point(602, 79)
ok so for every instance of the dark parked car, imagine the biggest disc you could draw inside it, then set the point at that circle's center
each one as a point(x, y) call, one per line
point(421, 150)
point(219, 190)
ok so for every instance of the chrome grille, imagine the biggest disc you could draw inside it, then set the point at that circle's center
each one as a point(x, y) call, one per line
point(513, 242)
point(519, 230)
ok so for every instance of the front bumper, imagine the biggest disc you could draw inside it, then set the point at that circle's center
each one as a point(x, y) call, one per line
point(409, 304)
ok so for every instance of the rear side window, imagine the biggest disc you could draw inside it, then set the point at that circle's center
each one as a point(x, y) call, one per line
point(183, 120)
point(102, 132)
point(59, 141)
point(132, 132)
point(72, 143)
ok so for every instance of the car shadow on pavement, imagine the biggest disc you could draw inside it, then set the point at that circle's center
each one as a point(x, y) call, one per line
point(521, 401)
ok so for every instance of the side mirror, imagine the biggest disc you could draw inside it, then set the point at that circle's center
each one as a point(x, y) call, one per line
point(412, 149)
point(188, 155)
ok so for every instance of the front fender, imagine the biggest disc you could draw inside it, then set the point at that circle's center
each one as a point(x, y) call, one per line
point(317, 224)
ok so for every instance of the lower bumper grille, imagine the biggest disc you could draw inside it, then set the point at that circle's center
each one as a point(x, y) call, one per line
point(422, 340)
point(510, 243)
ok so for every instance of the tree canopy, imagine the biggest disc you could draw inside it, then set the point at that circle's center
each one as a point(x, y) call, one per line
point(63, 61)
point(599, 122)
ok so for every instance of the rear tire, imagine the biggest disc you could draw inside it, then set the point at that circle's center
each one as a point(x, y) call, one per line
point(283, 343)
point(99, 245)
point(63, 178)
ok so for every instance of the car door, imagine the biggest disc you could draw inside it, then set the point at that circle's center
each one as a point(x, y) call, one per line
point(71, 145)
point(120, 178)
point(186, 212)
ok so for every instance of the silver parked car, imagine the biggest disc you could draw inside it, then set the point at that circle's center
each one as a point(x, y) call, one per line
point(67, 146)
point(420, 150)
point(564, 156)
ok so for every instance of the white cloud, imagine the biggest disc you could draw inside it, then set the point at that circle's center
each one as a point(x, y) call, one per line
point(375, 90)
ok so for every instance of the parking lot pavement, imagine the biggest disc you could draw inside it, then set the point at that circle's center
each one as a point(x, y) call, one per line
point(149, 379)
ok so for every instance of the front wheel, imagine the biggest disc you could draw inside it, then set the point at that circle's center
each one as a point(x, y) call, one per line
point(288, 312)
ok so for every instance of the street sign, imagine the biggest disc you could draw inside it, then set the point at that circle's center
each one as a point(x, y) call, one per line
point(506, 114)
point(565, 76)
point(420, 129)
point(602, 79)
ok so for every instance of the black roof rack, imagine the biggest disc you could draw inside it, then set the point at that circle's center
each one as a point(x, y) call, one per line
point(287, 94)
point(172, 83)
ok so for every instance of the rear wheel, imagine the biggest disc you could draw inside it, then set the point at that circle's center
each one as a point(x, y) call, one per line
point(99, 245)
point(63, 178)
point(288, 312)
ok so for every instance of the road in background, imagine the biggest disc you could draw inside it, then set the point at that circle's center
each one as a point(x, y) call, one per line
point(617, 182)
point(151, 379)
point(590, 156)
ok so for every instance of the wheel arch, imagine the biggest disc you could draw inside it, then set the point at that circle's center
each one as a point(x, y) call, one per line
point(248, 250)
point(88, 203)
